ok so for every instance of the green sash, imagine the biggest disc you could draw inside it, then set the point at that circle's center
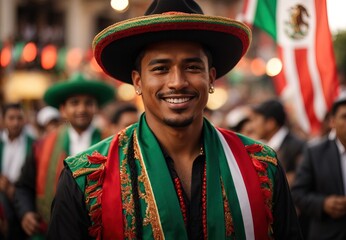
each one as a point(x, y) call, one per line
point(160, 209)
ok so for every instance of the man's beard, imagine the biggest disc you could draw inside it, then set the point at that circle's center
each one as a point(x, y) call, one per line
point(178, 123)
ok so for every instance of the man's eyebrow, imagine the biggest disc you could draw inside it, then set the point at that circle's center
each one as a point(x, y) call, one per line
point(164, 60)
point(193, 59)
point(158, 61)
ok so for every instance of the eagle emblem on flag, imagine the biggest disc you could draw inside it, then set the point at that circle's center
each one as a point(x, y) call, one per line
point(298, 25)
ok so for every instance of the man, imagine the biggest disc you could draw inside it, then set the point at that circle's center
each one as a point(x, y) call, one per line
point(48, 119)
point(238, 120)
point(124, 115)
point(319, 188)
point(15, 146)
point(167, 176)
point(269, 125)
point(77, 100)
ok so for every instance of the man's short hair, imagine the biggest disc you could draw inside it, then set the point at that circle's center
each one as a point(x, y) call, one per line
point(121, 110)
point(9, 106)
point(272, 109)
point(339, 102)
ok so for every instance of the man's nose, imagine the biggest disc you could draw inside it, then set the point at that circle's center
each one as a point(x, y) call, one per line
point(178, 79)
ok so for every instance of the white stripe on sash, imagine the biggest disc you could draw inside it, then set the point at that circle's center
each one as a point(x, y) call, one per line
point(240, 189)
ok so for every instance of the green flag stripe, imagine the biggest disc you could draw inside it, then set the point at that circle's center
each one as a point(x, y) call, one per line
point(265, 17)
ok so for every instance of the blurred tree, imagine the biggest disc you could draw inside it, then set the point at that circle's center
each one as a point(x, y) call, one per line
point(340, 51)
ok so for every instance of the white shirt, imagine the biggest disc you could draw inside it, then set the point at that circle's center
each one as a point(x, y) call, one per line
point(80, 142)
point(278, 138)
point(342, 153)
point(13, 156)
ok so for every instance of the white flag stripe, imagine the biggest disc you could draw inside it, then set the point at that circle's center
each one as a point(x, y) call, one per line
point(250, 11)
point(320, 105)
point(291, 76)
point(240, 189)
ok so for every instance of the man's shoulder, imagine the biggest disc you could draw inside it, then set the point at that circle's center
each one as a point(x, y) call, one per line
point(320, 144)
point(258, 149)
point(83, 159)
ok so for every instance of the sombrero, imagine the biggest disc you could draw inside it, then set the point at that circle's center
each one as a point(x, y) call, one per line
point(78, 84)
point(117, 46)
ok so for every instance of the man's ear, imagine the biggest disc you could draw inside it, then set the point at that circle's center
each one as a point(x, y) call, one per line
point(62, 111)
point(136, 80)
point(212, 75)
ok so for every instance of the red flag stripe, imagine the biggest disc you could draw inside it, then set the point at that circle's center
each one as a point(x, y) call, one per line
point(325, 59)
point(307, 89)
point(280, 81)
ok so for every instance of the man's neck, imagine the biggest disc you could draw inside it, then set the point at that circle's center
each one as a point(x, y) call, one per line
point(12, 137)
point(80, 131)
point(183, 143)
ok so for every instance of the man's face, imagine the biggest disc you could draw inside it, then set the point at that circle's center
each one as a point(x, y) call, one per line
point(174, 81)
point(338, 122)
point(260, 126)
point(126, 119)
point(79, 110)
point(14, 122)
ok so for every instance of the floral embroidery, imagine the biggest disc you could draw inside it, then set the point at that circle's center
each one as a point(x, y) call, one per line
point(94, 191)
point(261, 164)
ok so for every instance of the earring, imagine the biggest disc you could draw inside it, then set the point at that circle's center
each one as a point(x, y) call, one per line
point(139, 92)
point(211, 89)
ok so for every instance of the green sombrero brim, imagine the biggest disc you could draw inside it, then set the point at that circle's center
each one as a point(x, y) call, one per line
point(116, 47)
point(59, 92)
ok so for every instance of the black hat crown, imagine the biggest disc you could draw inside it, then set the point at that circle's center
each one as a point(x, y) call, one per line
point(162, 6)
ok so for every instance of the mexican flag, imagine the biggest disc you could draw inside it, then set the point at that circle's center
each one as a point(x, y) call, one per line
point(308, 79)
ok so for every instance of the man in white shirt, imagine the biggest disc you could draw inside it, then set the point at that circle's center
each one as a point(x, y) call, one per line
point(15, 145)
point(77, 99)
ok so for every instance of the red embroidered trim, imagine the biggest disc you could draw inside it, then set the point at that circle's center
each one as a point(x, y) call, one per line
point(94, 191)
point(204, 202)
point(261, 169)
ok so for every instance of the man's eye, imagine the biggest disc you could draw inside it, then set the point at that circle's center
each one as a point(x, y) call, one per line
point(194, 68)
point(160, 69)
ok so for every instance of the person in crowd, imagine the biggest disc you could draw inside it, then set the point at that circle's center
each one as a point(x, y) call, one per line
point(124, 115)
point(173, 175)
point(15, 146)
point(238, 120)
point(77, 99)
point(48, 119)
point(269, 123)
point(320, 185)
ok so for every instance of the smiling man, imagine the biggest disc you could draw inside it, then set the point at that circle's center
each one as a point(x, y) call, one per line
point(173, 175)
point(77, 100)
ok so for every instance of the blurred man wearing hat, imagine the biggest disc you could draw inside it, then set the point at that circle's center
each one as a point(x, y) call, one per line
point(173, 175)
point(77, 100)
point(48, 119)
point(15, 146)
point(320, 186)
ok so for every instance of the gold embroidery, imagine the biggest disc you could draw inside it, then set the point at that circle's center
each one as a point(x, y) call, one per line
point(272, 160)
point(228, 215)
point(84, 171)
point(151, 212)
point(128, 202)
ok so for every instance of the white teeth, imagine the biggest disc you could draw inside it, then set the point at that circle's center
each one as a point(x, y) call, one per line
point(177, 100)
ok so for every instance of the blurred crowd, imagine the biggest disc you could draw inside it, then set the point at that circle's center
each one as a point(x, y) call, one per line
point(32, 153)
